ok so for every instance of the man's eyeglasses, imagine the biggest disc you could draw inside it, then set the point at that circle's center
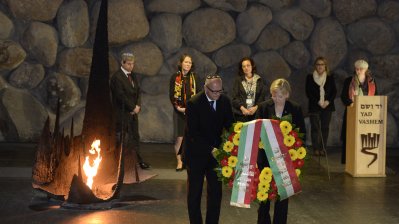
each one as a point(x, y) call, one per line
point(213, 76)
point(215, 91)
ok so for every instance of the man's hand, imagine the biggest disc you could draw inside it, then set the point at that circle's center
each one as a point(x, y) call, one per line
point(136, 110)
point(181, 109)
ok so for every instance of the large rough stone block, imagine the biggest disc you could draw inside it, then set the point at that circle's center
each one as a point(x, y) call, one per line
point(389, 10)
point(297, 22)
point(18, 104)
point(272, 37)
point(172, 6)
point(75, 61)
point(39, 10)
point(251, 22)
point(318, 8)
point(126, 21)
point(270, 66)
point(11, 55)
point(296, 54)
point(156, 119)
point(41, 41)
point(333, 49)
point(208, 29)
point(234, 5)
point(378, 38)
point(73, 23)
point(386, 66)
point(277, 4)
point(6, 25)
point(27, 76)
point(166, 32)
point(350, 11)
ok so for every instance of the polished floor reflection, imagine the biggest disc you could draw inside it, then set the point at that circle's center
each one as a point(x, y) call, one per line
point(338, 199)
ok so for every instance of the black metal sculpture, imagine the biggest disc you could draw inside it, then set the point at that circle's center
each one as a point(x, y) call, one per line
point(59, 159)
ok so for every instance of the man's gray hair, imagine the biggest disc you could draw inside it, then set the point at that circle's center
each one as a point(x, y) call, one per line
point(127, 56)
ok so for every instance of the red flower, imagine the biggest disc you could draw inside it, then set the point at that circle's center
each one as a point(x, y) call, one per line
point(224, 161)
point(298, 143)
point(293, 133)
point(299, 163)
point(231, 136)
point(234, 151)
point(272, 195)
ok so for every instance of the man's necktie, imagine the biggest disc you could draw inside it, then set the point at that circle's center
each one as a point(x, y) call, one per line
point(212, 102)
point(129, 76)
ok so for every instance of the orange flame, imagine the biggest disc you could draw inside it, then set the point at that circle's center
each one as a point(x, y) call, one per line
point(91, 170)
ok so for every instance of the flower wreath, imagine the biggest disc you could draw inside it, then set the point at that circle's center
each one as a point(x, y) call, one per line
point(265, 186)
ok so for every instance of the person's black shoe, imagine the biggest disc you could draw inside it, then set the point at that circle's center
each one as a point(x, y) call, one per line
point(144, 166)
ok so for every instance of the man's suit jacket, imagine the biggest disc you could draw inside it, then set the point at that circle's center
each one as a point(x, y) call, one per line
point(125, 96)
point(204, 126)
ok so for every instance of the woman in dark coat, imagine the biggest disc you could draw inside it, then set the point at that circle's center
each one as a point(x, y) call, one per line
point(360, 84)
point(278, 106)
point(183, 85)
point(321, 92)
point(248, 91)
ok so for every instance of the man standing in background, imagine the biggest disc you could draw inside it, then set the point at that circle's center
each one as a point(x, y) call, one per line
point(126, 99)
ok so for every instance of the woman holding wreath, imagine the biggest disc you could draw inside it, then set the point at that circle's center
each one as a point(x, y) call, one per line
point(277, 106)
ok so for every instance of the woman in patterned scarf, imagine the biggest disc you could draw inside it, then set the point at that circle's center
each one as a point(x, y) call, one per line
point(321, 92)
point(248, 91)
point(183, 85)
point(360, 84)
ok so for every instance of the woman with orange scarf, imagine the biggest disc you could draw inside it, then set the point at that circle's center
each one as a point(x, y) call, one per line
point(182, 86)
point(360, 84)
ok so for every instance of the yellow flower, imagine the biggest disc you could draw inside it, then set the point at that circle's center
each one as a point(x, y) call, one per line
point(237, 127)
point(285, 127)
point(233, 161)
point(227, 171)
point(267, 171)
point(236, 139)
point(263, 186)
point(289, 140)
point(301, 152)
point(265, 178)
point(293, 154)
point(228, 146)
point(262, 195)
point(298, 172)
point(261, 146)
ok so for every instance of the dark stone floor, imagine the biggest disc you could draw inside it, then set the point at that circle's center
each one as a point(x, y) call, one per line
point(338, 199)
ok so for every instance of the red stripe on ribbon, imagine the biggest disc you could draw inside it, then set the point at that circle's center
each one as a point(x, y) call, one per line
point(253, 160)
point(288, 162)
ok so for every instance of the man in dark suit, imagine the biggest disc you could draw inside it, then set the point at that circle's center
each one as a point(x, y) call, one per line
point(126, 99)
point(207, 113)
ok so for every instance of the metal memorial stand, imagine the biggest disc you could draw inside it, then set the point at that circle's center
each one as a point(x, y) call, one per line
point(316, 115)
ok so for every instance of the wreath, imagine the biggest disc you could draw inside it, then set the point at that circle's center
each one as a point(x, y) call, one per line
point(264, 186)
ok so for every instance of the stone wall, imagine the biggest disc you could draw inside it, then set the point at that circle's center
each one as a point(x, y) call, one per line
point(45, 52)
